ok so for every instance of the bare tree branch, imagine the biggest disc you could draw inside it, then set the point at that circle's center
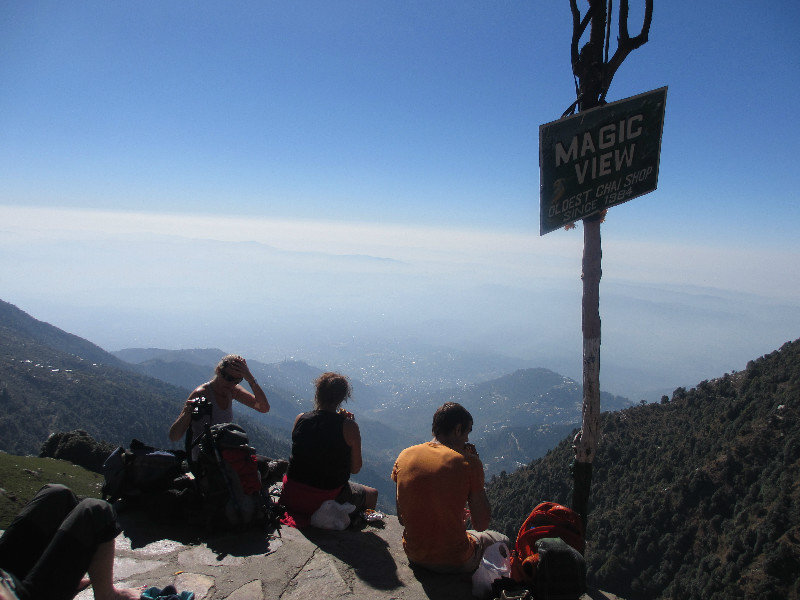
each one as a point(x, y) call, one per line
point(608, 29)
point(593, 70)
point(578, 27)
point(625, 43)
point(590, 66)
point(576, 17)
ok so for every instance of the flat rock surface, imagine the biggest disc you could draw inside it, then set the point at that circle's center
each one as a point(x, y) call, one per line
point(366, 563)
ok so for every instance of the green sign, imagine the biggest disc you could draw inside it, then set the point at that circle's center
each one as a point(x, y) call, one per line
point(599, 158)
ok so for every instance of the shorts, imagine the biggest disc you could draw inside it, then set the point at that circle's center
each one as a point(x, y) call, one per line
point(354, 493)
point(480, 541)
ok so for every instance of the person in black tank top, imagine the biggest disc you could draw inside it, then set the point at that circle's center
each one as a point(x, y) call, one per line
point(320, 455)
point(326, 450)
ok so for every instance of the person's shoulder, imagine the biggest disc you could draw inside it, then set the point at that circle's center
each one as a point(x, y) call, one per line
point(455, 458)
point(350, 430)
point(406, 455)
point(416, 449)
point(200, 390)
point(474, 459)
point(350, 424)
point(474, 463)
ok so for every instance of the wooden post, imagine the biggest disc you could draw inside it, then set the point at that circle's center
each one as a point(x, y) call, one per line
point(588, 68)
point(594, 72)
point(586, 443)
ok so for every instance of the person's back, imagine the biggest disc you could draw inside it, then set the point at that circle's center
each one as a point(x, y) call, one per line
point(320, 454)
point(326, 449)
point(433, 486)
point(436, 481)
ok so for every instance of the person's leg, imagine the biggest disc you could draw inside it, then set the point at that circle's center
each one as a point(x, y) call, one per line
point(360, 496)
point(372, 498)
point(443, 569)
point(58, 573)
point(101, 573)
point(32, 530)
point(485, 539)
point(488, 537)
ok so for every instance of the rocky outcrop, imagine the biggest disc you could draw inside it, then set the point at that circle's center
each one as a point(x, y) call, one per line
point(77, 447)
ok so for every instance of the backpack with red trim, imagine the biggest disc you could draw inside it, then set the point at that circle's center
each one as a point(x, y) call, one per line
point(548, 553)
point(227, 475)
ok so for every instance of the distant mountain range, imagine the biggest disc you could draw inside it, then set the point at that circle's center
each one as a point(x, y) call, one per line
point(518, 417)
point(71, 383)
point(693, 498)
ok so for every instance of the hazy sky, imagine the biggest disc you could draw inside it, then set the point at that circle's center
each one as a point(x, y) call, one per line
point(274, 176)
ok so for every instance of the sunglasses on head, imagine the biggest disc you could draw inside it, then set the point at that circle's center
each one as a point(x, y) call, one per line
point(230, 378)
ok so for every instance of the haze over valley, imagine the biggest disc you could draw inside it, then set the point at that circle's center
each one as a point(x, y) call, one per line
point(424, 309)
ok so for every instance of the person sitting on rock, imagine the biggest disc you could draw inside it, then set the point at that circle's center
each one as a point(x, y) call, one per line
point(219, 393)
point(53, 542)
point(326, 449)
point(436, 481)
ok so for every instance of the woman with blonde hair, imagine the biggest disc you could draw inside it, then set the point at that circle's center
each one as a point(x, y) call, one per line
point(220, 393)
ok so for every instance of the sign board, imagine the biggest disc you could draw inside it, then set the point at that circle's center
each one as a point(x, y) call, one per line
point(598, 158)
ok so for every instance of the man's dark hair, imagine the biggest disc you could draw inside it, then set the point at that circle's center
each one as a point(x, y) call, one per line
point(447, 416)
point(332, 390)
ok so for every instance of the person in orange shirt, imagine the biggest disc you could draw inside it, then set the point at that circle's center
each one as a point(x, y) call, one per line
point(440, 485)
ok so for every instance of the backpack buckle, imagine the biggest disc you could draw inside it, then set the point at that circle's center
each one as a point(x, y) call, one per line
point(516, 594)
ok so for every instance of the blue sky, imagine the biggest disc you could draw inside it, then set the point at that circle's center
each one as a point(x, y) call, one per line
point(142, 142)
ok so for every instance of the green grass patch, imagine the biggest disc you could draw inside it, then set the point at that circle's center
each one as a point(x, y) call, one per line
point(22, 476)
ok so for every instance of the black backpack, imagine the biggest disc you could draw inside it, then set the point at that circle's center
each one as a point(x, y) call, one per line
point(140, 472)
point(561, 572)
point(227, 476)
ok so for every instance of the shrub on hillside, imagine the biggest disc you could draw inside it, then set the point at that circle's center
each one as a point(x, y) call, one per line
point(77, 447)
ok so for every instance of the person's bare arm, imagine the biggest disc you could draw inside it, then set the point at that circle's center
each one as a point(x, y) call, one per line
point(181, 424)
point(396, 494)
point(258, 399)
point(480, 511)
point(397, 509)
point(352, 435)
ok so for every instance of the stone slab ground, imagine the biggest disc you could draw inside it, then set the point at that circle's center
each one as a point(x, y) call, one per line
point(364, 564)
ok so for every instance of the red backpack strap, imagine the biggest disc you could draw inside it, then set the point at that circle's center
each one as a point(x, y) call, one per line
point(547, 519)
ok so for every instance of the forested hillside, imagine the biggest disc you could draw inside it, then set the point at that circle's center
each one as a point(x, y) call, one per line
point(20, 323)
point(696, 497)
point(48, 385)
